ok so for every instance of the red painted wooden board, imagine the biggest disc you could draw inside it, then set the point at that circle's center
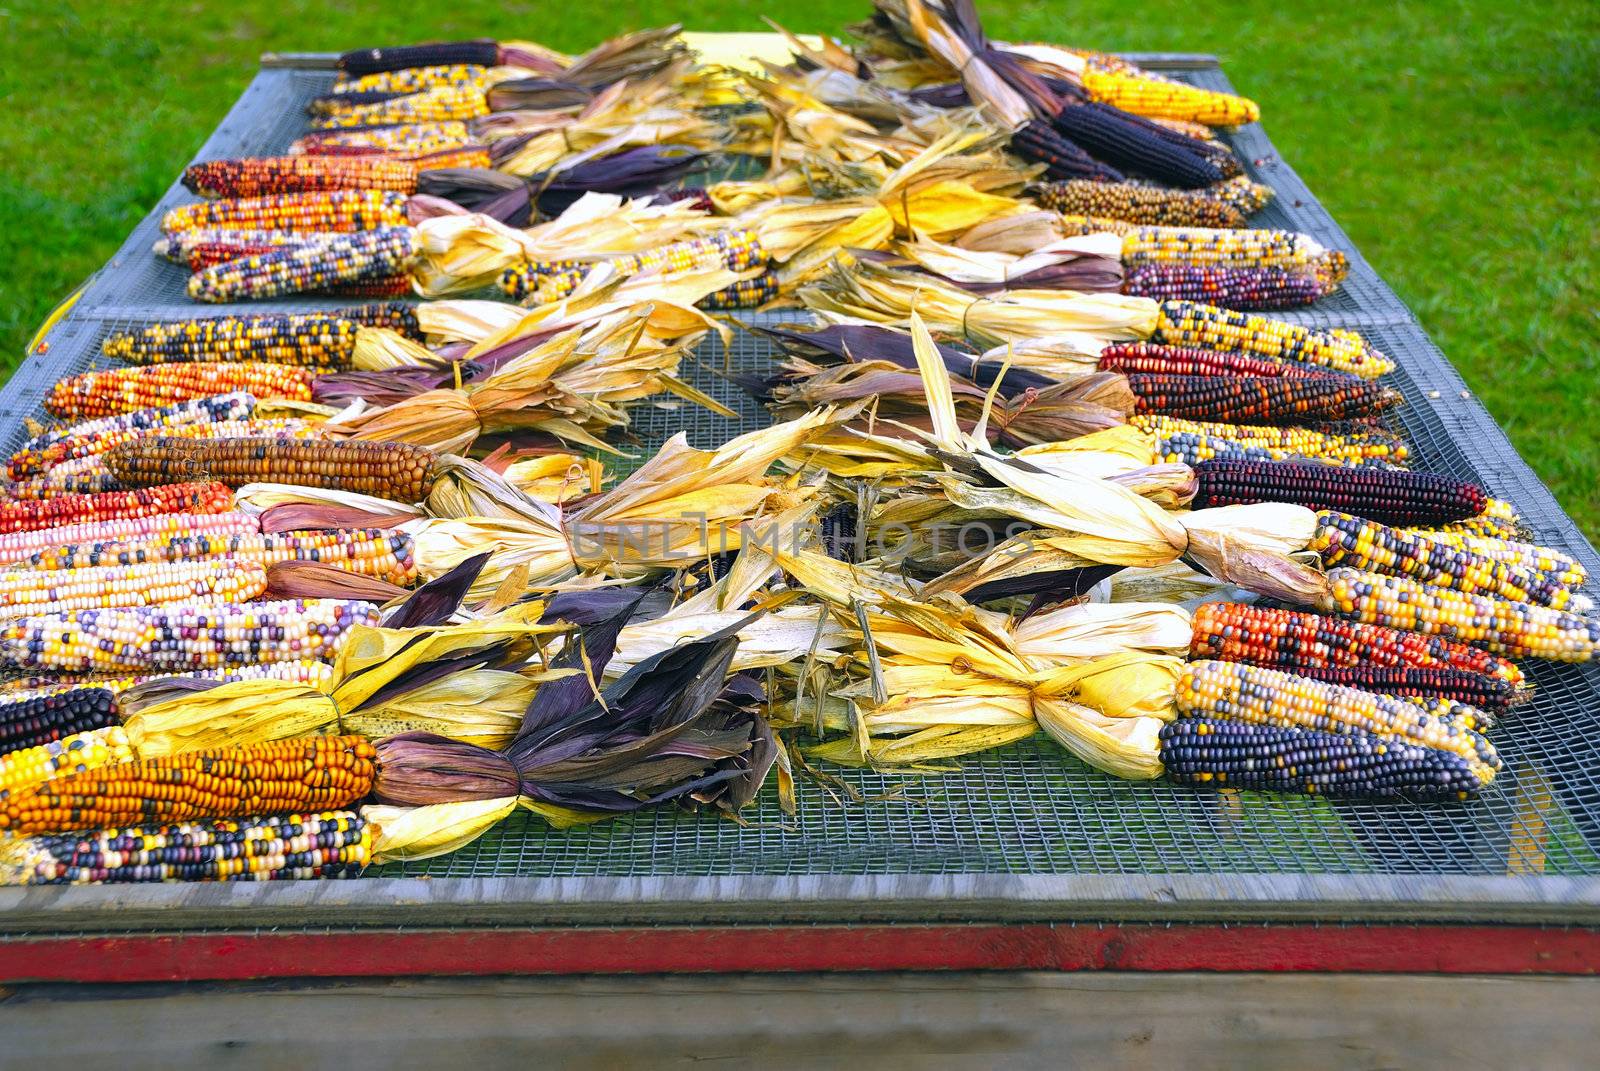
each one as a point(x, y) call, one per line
point(1182, 947)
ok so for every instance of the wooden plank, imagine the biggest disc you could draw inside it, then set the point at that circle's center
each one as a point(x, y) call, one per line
point(1019, 1021)
point(531, 901)
point(780, 949)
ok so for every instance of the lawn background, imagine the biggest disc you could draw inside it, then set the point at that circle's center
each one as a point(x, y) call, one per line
point(1454, 141)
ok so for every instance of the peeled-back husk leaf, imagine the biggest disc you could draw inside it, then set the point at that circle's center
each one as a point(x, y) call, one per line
point(405, 833)
point(1124, 747)
point(1098, 630)
point(233, 714)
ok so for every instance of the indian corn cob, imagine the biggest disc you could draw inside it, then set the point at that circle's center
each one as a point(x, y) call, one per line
point(1195, 442)
point(329, 844)
point(744, 294)
point(1259, 399)
point(1245, 289)
point(1137, 203)
point(1243, 193)
point(91, 437)
point(196, 250)
point(1561, 567)
point(1130, 144)
point(1214, 752)
point(114, 505)
point(1493, 694)
point(1294, 639)
point(398, 471)
point(299, 671)
point(182, 636)
point(1503, 627)
point(1187, 323)
point(1063, 159)
point(413, 79)
point(1144, 95)
point(375, 552)
point(88, 475)
point(88, 750)
point(112, 391)
point(36, 592)
point(1187, 361)
point(29, 723)
point(736, 250)
point(362, 257)
point(1382, 495)
point(407, 139)
point(18, 545)
point(317, 211)
point(434, 105)
point(285, 776)
point(479, 52)
point(270, 175)
point(316, 339)
point(1342, 539)
point(1265, 696)
point(1224, 248)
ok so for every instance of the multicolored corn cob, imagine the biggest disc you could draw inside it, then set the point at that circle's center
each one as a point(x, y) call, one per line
point(736, 250)
point(1246, 289)
point(321, 340)
point(416, 79)
point(1187, 361)
point(91, 437)
point(405, 139)
point(319, 211)
point(1513, 629)
point(1385, 496)
point(19, 545)
point(1497, 521)
point(1244, 194)
point(1212, 752)
point(1259, 400)
point(1265, 696)
point(113, 391)
point(1187, 323)
point(1143, 94)
point(114, 505)
point(1193, 442)
point(186, 247)
point(270, 175)
point(1294, 640)
point(1558, 565)
point(306, 775)
point(37, 592)
point(395, 315)
point(30, 723)
point(374, 552)
point(88, 475)
point(1342, 539)
point(744, 294)
point(1224, 248)
point(366, 256)
point(181, 637)
point(332, 844)
point(1136, 203)
point(436, 105)
point(398, 471)
point(71, 754)
point(298, 671)
point(1477, 691)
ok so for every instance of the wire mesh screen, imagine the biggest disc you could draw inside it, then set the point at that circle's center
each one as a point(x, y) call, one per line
point(1030, 808)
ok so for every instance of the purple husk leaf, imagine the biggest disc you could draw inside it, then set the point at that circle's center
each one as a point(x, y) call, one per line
point(435, 601)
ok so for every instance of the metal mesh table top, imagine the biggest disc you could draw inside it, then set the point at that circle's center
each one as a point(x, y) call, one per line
point(1031, 809)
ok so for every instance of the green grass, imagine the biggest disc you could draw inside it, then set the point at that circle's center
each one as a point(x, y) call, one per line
point(1454, 141)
